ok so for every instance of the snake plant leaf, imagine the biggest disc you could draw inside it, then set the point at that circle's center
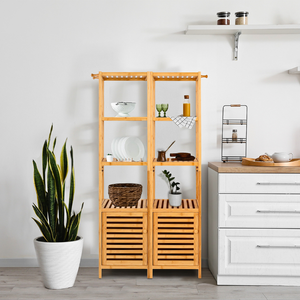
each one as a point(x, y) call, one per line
point(51, 200)
point(68, 221)
point(45, 160)
point(72, 182)
point(39, 188)
point(64, 164)
point(58, 185)
point(43, 220)
point(44, 231)
point(54, 143)
point(49, 138)
point(74, 226)
point(56, 174)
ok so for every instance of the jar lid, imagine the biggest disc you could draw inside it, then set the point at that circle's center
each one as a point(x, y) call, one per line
point(223, 14)
point(239, 14)
point(186, 97)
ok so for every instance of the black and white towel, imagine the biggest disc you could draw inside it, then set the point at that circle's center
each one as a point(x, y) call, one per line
point(187, 122)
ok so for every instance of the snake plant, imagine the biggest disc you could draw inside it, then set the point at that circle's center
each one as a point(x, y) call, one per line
point(56, 221)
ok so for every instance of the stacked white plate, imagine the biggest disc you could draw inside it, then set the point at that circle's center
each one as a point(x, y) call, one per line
point(128, 148)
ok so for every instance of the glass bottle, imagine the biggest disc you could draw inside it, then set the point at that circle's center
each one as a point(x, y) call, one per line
point(234, 135)
point(186, 106)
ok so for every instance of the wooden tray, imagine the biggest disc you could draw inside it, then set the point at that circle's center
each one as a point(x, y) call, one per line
point(251, 162)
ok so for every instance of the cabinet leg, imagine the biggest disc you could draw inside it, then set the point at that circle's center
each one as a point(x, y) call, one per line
point(199, 273)
point(100, 273)
point(149, 273)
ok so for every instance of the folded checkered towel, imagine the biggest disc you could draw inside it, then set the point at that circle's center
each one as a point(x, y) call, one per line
point(181, 121)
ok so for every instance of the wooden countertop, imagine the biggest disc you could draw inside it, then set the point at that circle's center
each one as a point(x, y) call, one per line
point(229, 167)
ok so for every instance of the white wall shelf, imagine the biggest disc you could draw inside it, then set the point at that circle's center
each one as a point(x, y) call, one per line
point(237, 30)
point(295, 70)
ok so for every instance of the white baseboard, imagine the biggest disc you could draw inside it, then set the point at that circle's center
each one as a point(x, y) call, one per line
point(32, 262)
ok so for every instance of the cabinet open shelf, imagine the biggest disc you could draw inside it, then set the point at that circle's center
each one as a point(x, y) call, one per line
point(124, 118)
point(187, 204)
point(152, 235)
point(123, 163)
point(175, 163)
point(141, 205)
point(158, 205)
point(166, 119)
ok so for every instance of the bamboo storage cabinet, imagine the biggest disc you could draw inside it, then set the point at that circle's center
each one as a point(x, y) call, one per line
point(152, 235)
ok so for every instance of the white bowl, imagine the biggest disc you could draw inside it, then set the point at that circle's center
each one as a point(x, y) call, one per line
point(123, 108)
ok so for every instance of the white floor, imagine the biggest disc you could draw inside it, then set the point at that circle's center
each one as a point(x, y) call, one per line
point(26, 283)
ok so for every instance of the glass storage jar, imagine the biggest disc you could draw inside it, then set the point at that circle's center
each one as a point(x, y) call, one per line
point(223, 18)
point(241, 18)
point(234, 135)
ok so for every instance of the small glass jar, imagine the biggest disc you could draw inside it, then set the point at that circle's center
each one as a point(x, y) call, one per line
point(241, 18)
point(234, 135)
point(223, 18)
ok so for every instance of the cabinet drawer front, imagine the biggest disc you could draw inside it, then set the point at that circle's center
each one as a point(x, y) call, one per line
point(259, 252)
point(175, 239)
point(259, 183)
point(259, 211)
point(124, 239)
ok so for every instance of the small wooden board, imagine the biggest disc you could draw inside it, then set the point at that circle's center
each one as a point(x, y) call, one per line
point(252, 162)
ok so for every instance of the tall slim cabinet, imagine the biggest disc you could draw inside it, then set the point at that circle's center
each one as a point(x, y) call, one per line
point(152, 235)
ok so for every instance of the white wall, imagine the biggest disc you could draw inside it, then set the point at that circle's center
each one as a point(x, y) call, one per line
point(50, 48)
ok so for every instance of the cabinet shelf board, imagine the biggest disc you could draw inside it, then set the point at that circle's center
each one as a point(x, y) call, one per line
point(175, 76)
point(244, 29)
point(162, 119)
point(141, 206)
point(167, 119)
point(122, 76)
point(187, 205)
point(123, 163)
point(124, 119)
point(175, 163)
point(166, 267)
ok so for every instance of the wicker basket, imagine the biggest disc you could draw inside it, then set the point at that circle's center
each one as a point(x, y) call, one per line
point(125, 194)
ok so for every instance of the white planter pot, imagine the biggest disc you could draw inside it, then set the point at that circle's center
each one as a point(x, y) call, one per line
point(59, 262)
point(175, 199)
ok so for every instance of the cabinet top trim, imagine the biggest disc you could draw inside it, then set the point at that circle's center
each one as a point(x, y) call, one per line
point(142, 76)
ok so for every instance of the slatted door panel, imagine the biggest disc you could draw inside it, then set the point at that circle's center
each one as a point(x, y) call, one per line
point(175, 239)
point(124, 239)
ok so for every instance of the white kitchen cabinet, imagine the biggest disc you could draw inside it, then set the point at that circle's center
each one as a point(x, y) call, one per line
point(254, 224)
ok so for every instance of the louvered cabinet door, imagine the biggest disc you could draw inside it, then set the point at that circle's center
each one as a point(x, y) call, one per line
point(175, 239)
point(124, 240)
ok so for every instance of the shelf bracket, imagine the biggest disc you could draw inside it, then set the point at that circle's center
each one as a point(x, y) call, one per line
point(236, 45)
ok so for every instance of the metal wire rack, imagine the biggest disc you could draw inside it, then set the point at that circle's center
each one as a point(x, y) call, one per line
point(243, 121)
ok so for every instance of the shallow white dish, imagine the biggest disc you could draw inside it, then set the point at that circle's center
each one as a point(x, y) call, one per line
point(134, 148)
point(121, 148)
point(123, 108)
point(115, 148)
point(112, 146)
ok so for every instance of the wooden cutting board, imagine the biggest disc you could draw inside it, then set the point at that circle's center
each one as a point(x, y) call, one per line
point(252, 162)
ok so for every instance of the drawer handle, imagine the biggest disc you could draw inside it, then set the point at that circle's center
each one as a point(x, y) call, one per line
point(278, 211)
point(278, 183)
point(269, 246)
